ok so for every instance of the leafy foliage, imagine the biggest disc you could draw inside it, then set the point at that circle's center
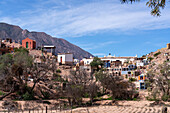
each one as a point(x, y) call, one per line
point(96, 63)
point(150, 58)
point(28, 96)
point(156, 54)
point(132, 79)
point(58, 71)
point(155, 5)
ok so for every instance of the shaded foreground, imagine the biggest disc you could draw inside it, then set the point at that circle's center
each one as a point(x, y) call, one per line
point(105, 107)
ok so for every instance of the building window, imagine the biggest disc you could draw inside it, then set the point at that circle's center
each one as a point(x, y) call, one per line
point(141, 77)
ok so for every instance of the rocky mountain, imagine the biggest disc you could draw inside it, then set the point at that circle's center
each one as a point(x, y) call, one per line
point(62, 46)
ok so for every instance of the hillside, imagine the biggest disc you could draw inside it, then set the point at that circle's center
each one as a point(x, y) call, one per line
point(62, 46)
point(159, 57)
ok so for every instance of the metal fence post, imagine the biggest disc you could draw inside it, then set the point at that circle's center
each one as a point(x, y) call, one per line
point(46, 109)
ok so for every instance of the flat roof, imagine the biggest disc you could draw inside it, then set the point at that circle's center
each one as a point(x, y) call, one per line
point(115, 57)
point(49, 46)
point(64, 53)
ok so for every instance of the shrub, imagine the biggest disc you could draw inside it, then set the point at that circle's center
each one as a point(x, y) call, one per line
point(58, 71)
point(110, 98)
point(56, 75)
point(86, 95)
point(2, 93)
point(165, 97)
point(150, 58)
point(45, 94)
point(156, 54)
point(132, 79)
point(134, 99)
point(28, 96)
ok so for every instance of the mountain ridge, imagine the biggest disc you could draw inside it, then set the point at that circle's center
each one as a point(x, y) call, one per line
point(62, 46)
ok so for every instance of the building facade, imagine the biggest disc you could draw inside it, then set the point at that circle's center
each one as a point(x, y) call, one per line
point(65, 58)
point(28, 43)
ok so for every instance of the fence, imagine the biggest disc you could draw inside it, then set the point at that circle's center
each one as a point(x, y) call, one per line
point(39, 110)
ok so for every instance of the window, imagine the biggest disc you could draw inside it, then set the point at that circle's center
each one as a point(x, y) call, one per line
point(141, 77)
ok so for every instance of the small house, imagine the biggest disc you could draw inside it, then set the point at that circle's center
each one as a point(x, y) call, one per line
point(28, 43)
point(65, 58)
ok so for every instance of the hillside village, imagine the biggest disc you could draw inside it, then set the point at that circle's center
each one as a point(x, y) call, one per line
point(130, 68)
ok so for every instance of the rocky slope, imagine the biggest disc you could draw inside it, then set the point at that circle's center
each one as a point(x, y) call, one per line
point(158, 57)
point(62, 46)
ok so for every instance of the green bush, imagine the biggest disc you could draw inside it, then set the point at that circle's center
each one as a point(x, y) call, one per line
point(134, 99)
point(45, 94)
point(56, 75)
point(86, 95)
point(156, 54)
point(2, 93)
point(132, 79)
point(151, 99)
point(165, 97)
point(28, 96)
point(110, 98)
point(150, 58)
point(62, 97)
point(58, 71)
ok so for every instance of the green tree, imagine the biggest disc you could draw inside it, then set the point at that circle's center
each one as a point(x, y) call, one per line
point(155, 5)
point(97, 63)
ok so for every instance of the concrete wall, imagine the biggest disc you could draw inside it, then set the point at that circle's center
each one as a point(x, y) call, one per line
point(69, 58)
point(65, 58)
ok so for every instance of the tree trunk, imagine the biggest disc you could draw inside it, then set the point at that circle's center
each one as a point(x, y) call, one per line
point(11, 91)
point(33, 86)
point(6, 95)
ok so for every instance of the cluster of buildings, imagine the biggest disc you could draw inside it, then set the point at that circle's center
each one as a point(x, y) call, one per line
point(8, 45)
point(125, 67)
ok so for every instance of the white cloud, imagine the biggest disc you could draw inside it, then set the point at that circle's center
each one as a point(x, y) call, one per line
point(93, 46)
point(99, 54)
point(91, 18)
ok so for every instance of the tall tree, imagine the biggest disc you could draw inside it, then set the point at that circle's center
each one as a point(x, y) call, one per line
point(97, 63)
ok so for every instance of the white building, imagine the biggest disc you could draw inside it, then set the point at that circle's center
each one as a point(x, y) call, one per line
point(139, 64)
point(87, 61)
point(122, 59)
point(110, 58)
point(65, 58)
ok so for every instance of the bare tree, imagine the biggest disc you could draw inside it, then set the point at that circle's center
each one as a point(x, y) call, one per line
point(15, 68)
point(119, 88)
point(80, 83)
point(159, 78)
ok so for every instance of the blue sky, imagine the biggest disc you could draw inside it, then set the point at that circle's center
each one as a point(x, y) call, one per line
point(98, 26)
